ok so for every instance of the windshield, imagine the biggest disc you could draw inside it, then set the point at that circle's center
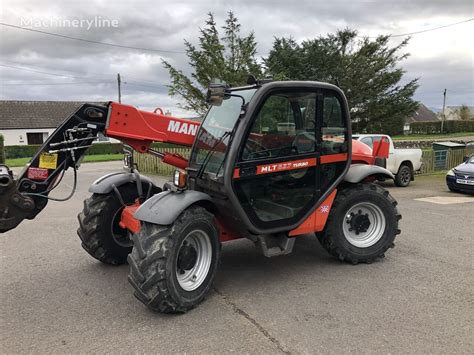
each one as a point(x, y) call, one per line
point(471, 160)
point(215, 130)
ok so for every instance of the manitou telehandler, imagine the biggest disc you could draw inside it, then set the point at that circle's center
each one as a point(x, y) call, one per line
point(270, 161)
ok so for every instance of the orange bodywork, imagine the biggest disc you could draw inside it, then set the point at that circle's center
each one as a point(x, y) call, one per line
point(314, 223)
point(127, 220)
point(139, 129)
point(363, 154)
point(316, 220)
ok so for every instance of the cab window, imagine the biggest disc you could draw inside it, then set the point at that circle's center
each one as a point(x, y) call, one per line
point(284, 126)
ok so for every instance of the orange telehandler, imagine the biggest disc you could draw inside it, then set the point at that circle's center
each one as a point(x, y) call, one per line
point(270, 161)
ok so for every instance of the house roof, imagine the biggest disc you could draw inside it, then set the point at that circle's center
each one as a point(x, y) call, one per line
point(422, 114)
point(35, 114)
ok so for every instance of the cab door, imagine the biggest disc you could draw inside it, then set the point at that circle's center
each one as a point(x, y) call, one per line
point(278, 177)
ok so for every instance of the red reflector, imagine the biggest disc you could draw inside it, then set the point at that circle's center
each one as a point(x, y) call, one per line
point(37, 174)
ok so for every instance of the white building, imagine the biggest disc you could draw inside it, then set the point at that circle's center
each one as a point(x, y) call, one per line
point(31, 122)
point(422, 114)
point(454, 112)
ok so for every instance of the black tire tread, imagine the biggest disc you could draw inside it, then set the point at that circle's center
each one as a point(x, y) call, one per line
point(89, 231)
point(148, 259)
point(326, 239)
point(398, 182)
point(95, 237)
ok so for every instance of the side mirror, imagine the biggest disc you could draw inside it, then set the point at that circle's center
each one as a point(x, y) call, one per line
point(215, 94)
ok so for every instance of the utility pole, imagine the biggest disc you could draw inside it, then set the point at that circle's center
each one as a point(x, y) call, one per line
point(119, 82)
point(444, 108)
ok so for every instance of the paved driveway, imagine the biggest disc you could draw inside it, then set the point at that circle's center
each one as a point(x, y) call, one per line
point(55, 298)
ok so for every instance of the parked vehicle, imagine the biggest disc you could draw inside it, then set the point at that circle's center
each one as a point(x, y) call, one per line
point(461, 178)
point(401, 162)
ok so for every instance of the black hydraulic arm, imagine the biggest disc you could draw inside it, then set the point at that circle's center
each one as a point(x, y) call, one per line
point(25, 196)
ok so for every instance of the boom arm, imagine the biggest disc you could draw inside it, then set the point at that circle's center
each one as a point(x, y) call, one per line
point(26, 196)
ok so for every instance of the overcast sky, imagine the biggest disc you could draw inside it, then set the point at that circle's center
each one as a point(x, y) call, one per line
point(83, 71)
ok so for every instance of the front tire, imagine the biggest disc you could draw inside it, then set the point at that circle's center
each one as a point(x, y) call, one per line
point(172, 267)
point(362, 224)
point(99, 229)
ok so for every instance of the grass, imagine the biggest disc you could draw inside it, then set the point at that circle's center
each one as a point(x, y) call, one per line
point(432, 136)
point(87, 159)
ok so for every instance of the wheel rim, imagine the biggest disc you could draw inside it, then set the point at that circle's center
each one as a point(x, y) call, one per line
point(405, 176)
point(364, 224)
point(194, 260)
point(119, 235)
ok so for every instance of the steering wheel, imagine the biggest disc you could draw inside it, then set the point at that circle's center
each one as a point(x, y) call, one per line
point(254, 149)
point(304, 142)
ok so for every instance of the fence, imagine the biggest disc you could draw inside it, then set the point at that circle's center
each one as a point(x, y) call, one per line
point(153, 165)
point(432, 160)
point(442, 159)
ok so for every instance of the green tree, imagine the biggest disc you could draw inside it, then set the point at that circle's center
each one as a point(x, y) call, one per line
point(229, 58)
point(465, 113)
point(367, 70)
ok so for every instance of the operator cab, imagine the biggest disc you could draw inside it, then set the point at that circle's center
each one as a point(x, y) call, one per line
point(269, 154)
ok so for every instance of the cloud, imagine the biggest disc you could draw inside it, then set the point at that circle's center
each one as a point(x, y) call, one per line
point(441, 59)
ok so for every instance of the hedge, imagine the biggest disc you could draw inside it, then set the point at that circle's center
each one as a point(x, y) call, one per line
point(27, 151)
point(2, 150)
point(434, 127)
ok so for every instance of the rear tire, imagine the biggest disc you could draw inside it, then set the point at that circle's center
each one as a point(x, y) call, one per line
point(404, 176)
point(362, 224)
point(172, 267)
point(99, 231)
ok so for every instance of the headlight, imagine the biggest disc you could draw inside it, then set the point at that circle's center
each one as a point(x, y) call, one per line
point(179, 179)
point(450, 172)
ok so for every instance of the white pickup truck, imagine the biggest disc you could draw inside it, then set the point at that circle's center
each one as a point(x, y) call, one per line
point(401, 162)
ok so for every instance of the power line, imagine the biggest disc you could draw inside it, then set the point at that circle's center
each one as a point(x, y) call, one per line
point(75, 72)
point(427, 30)
point(48, 73)
point(49, 68)
point(40, 72)
point(128, 82)
point(91, 41)
point(40, 84)
point(184, 52)
point(137, 83)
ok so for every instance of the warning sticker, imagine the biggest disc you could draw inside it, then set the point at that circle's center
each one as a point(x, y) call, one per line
point(37, 174)
point(48, 161)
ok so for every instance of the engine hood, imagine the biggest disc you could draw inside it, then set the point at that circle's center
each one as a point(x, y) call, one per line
point(465, 168)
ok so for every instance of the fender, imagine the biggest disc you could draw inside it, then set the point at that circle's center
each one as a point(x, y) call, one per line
point(103, 185)
point(358, 172)
point(165, 207)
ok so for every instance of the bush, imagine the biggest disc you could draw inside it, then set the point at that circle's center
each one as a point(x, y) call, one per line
point(20, 151)
point(2, 150)
point(434, 127)
point(27, 151)
point(105, 148)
